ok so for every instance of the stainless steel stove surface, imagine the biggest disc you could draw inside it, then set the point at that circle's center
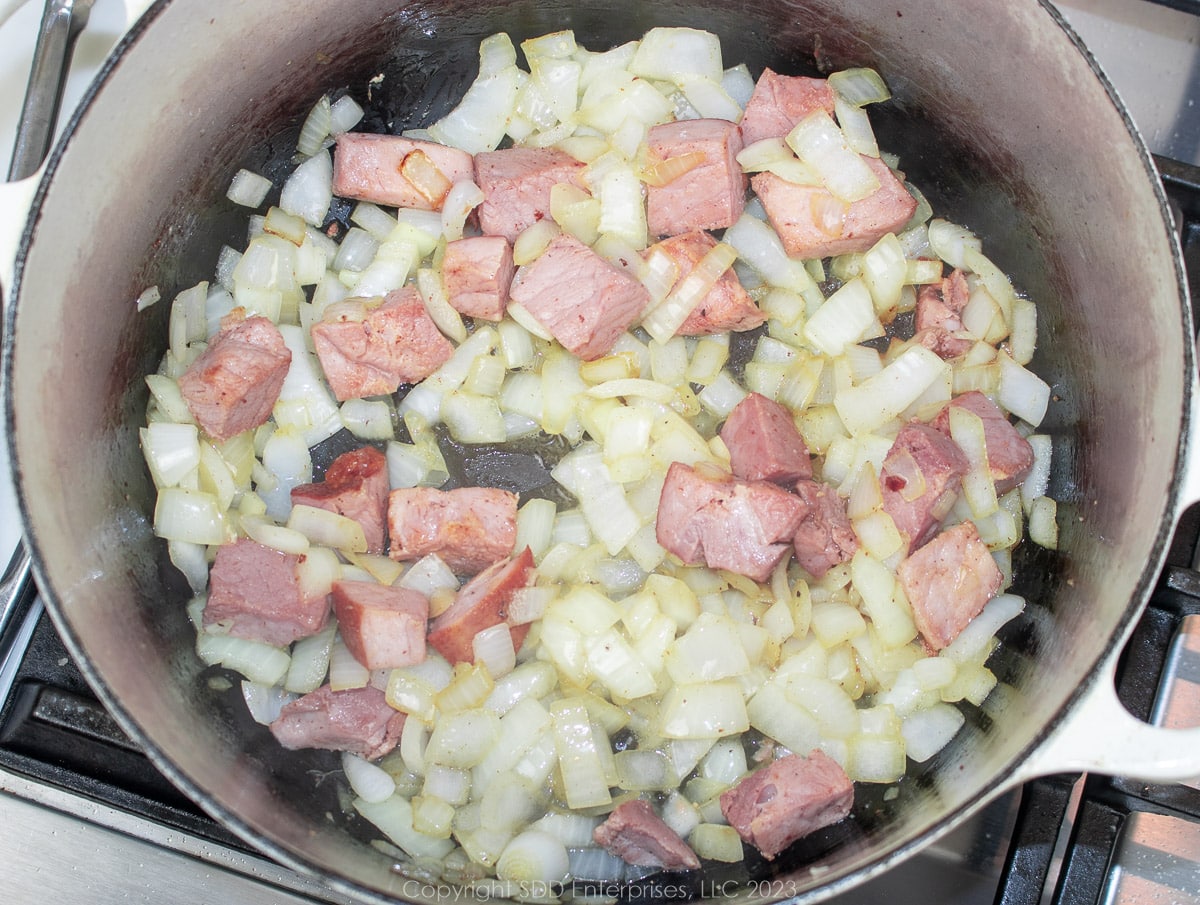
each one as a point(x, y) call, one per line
point(85, 818)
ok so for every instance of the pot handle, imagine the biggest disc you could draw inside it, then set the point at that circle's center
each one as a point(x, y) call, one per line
point(1101, 736)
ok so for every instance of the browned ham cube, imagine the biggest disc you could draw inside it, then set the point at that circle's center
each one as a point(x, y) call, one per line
point(481, 604)
point(763, 442)
point(254, 593)
point(235, 382)
point(919, 481)
point(374, 167)
point(746, 527)
point(397, 343)
point(636, 835)
point(780, 101)
point(793, 797)
point(710, 195)
point(384, 627)
point(948, 582)
point(469, 527)
point(727, 306)
point(516, 184)
point(584, 302)
point(358, 720)
point(825, 537)
point(356, 486)
point(1010, 457)
point(792, 208)
point(477, 272)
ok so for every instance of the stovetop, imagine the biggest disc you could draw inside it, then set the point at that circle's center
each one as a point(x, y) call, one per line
point(84, 817)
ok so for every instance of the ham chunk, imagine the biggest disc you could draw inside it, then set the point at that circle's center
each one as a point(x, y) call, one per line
point(743, 526)
point(358, 720)
point(356, 486)
point(779, 102)
point(948, 582)
point(397, 343)
point(477, 272)
point(397, 171)
point(636, 835)
point(254, 593)
point(919, 481)
point(825, 537)
point(727, 306)
point(1009, 454)
point(516, 184)
point(384, 627)
point(235, 382)
point(939, 325)
point(469, 528)
point(482, 603)
point(773, 807)
point(763, 442)
point(584, 302)
point(791, 209)
point(710, 195)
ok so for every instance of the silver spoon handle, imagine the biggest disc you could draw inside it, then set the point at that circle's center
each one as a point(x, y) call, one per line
point(62, 21)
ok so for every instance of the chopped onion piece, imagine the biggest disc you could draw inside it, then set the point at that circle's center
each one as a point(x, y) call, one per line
point(1043, 524)
point(248, 189)
point(328, 528)
point(480, 120)
point(950, 242)
point(344, 115)
point(308, 192)
point(819, 142)
point(844, 318)
point(493, 647)
point(534, 859)
point(677, 54)
point(369, 782)
point(462, 198)
point(316, 128)
point(263, 702)
point(879, 399)
point(928, 731)
point(188, 515)
point(758, 245)
point(1022, 392)
point(859, 86)
point(666, 318)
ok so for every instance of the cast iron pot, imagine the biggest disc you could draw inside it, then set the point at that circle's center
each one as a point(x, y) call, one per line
point(999, 115)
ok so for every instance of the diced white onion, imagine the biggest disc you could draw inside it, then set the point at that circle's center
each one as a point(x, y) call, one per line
point(369, 782)
point(308, 192)
point(248, 189)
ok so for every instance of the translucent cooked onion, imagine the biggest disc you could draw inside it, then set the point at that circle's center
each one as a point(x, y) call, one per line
point(711, 672)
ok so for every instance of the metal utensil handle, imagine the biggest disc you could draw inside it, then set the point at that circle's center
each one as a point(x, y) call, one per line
point(16, 592)
point(62, 21)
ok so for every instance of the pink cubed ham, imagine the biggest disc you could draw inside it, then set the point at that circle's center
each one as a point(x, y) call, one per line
point(254, 593)
point(397, 171)
point(516, 184)
point(763, 442)
point(947, 583)
point(825, 537)
point(636, 835)
point(356, 486)
point(469, 528)
point(582, 300)
point(919, 481)
point(780, 101)
point(1009, 454)
point(939, 325)
point(358, 720)
point(710, 195)
point(482, 603)
point(477, 272)
point(727, 306)
point(743, 526)
point(792, 208)
point(773, 807)
point(384, 627)
point(233, 385)
point(396, 343)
